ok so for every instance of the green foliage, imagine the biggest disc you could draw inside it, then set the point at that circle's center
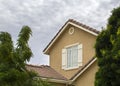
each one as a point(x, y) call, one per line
point(108, 52)
point(13, 60)
point(41, 82)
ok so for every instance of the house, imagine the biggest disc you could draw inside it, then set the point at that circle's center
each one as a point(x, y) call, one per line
point(71, 53)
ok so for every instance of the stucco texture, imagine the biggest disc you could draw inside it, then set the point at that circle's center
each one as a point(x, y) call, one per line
point(88, 77)
point(65, 39)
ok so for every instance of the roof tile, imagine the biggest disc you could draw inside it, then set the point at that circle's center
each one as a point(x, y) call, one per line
point(75, 22)
point(45, 71)
point(83, 25)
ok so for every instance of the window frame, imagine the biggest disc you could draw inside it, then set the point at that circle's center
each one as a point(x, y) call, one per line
point(65, 58)
point(70, 63)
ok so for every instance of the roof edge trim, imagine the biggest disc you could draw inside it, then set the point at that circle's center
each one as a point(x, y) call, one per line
point(62, 29)
point(57, 35)
point(82, 71)
point(56, 80)
point(82, 28)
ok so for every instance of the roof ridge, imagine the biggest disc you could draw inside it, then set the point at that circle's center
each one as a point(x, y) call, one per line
point(60, 31)
point(37, 65)
point(84, 25)
point(46, 71)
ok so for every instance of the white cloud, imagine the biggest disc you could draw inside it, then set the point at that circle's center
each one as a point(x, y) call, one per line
point(45, 17)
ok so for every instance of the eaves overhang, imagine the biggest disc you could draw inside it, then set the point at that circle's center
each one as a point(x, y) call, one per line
point(73, 23)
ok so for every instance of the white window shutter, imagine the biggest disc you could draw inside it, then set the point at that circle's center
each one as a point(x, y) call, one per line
point(64, 57)
point(80, 56)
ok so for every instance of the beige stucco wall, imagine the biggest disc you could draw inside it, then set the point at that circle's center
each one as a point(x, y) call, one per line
point(88, 77)
point(79, 36)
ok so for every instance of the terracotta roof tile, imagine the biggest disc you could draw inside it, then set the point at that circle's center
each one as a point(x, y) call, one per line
point(83, 25)
point(75, 22)
point(46, 71)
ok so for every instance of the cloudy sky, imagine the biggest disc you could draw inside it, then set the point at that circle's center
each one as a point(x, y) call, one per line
point(46, 17)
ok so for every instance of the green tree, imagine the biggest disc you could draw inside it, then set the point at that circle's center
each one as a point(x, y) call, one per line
point(108, 52)
point(13, 60)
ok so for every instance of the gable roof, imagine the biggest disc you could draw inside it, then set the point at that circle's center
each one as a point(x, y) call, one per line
point(74, 23)
point(45, 71)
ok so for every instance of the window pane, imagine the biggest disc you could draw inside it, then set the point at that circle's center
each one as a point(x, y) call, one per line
point(69, 56)
point(72, 56)
point(75, 56)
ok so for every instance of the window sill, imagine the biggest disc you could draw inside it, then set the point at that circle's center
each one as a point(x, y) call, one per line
point(72, 68)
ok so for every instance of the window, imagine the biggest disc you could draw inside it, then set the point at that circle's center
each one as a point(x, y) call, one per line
point(72, 56)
